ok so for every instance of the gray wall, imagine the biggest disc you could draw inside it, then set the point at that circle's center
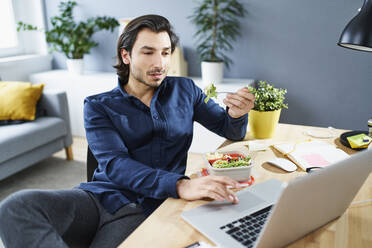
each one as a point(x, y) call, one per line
point(291, 43)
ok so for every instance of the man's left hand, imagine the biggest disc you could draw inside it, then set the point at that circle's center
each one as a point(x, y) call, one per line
point(240, 103)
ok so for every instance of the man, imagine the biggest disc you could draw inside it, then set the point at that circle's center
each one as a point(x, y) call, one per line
point(139, 133)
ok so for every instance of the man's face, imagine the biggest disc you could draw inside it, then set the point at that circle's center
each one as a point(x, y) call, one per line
point(150, 57)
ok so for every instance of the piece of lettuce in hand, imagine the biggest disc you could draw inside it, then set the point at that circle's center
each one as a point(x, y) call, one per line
point(210, 91)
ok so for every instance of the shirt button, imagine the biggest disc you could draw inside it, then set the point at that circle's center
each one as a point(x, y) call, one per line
point(156, 117)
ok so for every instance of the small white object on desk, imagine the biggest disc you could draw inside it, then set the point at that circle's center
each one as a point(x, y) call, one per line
point(257, 146)
point(321, 133)
point(283, 163)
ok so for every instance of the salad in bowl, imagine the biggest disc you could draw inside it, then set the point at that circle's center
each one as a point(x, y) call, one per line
point(234, 164)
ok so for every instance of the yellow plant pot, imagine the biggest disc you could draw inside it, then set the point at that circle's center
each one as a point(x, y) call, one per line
point(262, 125)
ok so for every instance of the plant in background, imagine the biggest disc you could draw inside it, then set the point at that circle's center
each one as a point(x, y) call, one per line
point(267, 97)
point(218, 25)
point(73, 39)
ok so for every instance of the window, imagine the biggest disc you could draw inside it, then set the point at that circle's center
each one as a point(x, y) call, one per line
point(7, 25)
point(14, 43)
point(9, 38)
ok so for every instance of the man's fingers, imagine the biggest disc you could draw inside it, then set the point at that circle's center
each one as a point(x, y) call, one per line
point(242, 95)
point(243, 100)
point(248, 98)
point(225, 180)
point(215, 196)
point(233, 198)
point(218, 185)
point(214, 187)
point(216, 191)
point(238, 101)
point(219, 196)
point(222, 190)
point(245, 93)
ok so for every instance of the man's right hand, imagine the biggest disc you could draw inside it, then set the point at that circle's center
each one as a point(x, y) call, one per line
point(214, 187)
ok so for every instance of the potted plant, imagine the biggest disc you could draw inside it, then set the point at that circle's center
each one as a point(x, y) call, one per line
point(218, 26)
point(71, 38)
point(264, 117)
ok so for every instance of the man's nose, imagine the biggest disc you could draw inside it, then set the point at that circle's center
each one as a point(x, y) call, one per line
point(159, 61)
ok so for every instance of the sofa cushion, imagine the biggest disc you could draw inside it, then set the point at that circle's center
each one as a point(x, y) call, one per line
point(18, 100)
point(19, 138)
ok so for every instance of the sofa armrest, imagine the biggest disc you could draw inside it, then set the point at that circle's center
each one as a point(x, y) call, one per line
point(54, 103)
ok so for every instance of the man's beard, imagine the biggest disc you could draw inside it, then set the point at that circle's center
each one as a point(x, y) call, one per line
point(138, 75)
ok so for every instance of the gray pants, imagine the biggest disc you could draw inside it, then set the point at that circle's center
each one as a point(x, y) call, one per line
point(64, 218)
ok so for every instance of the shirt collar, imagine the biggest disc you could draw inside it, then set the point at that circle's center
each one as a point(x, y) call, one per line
point(121, 89)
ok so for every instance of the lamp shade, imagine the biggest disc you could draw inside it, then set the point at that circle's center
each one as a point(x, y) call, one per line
point(357, 34)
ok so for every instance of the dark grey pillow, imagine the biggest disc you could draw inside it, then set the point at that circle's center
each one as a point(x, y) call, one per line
point(10, 122)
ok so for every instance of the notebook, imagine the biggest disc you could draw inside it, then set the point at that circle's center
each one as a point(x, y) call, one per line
point(274, 214)
point(311, 153)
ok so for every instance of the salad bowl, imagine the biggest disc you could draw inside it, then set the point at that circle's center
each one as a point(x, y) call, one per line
point(234, 164)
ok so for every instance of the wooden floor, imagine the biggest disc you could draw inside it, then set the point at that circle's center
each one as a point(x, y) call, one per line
point(79, 149)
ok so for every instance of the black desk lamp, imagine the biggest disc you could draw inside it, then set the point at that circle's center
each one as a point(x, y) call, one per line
point(357, 34)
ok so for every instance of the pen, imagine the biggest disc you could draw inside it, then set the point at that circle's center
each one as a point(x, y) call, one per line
point(194, 245)
point(200, 244)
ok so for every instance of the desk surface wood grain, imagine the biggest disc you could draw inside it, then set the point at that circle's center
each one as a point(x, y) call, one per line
point(166, 228)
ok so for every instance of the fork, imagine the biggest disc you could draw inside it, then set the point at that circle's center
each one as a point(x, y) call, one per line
point(225, 92)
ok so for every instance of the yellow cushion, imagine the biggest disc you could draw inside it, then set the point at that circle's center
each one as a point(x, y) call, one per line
point(18, 100)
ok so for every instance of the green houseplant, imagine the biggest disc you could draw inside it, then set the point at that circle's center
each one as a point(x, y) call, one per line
point(264, 117)
point(217, 23)
point(71, 38)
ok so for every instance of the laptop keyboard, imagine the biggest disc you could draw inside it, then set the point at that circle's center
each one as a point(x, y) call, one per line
point(245, 230)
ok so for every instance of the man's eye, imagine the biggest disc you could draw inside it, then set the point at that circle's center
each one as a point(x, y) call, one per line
point(148, 53)
point(166, 53)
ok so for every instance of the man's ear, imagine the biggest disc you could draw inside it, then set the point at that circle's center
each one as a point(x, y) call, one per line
point(125, 56)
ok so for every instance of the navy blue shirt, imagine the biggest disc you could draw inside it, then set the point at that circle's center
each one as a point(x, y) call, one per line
point(141, 150)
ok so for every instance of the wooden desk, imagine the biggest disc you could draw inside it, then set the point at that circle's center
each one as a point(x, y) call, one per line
point(166, 228)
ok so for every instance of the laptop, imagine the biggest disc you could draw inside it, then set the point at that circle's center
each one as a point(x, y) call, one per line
point(274, 214)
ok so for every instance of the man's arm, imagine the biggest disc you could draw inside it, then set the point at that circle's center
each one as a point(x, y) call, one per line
point(230, 124)
point(115, 163)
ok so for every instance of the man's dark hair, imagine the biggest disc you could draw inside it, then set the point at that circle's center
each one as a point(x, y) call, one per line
point(126, 40)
